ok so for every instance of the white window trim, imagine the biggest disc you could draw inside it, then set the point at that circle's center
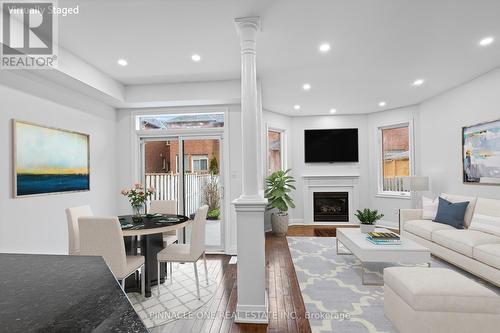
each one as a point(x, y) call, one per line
point(380, 172)
point(283, 138)
point(198, 158)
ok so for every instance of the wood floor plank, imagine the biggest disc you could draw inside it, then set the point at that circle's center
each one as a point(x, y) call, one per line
point(286, 306)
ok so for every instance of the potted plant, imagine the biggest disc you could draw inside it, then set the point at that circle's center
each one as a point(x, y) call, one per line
point(367, 219)
point(137, 196)
point(279, 185)
point(211, 191)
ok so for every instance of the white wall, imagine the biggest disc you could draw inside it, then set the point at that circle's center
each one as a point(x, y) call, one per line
point(441, 120)
point(38, 224)
point(299, 124)
point(386, 205)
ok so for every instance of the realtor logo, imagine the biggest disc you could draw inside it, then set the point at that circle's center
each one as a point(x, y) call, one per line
point(28, 32)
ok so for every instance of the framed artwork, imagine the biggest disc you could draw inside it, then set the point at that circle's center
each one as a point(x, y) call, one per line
point(49, 160)
point(481, 153)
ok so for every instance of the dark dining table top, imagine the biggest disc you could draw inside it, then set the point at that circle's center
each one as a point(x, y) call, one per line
point(150, 222)
point(60, 293)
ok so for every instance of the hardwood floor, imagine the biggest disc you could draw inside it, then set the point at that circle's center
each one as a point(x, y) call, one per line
point(286, 307)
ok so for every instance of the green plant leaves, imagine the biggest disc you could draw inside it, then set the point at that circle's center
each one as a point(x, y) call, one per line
point(278, 186)
point(368, 216)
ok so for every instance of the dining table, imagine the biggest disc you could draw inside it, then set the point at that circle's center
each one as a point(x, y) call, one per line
point(144, 236)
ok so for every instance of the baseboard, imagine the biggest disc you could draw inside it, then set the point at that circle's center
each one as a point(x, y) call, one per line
point(296, 222)
point(252, 314)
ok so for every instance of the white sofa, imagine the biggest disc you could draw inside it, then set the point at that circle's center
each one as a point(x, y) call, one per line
point(475, 249)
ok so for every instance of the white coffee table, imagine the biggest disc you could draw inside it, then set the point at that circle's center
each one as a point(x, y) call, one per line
point(408, 252)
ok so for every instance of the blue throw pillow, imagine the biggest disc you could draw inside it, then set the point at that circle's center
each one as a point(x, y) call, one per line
point(451, 213)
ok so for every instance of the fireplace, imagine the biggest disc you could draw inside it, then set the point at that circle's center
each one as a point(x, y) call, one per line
point(331, 206)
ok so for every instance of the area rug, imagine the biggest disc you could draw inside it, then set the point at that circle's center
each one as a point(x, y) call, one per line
point(178, 296)
point(334, 297)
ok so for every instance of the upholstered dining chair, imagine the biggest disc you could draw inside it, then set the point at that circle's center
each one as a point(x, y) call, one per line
point(188, 252)
point(72, 215)
point(102, 236)
point(165, 207)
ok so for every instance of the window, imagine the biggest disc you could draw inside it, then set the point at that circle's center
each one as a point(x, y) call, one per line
point(275, 152)
point(180, 121)
point(199, 163)
point(396, 158)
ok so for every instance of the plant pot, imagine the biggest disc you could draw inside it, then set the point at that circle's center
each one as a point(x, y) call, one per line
point(279, 223)
point(366, 228)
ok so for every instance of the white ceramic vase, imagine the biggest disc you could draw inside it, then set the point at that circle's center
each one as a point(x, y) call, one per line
point(279, 223)
point(366, 228)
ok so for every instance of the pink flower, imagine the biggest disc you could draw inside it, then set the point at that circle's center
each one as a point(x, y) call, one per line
point(138, 186)
point(125, 192)
point(152, 190)
point(141, 192)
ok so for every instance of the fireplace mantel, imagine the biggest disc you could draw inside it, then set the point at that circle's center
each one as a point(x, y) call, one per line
point(345, 182)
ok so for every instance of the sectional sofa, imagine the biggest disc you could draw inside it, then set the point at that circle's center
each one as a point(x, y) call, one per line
point(476, 248)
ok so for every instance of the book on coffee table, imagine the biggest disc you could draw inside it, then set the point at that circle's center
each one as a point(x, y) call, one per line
point(383, 238)
point(376, 242)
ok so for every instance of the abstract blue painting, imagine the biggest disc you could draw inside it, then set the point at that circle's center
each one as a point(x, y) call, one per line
point(481, 153)
point(49, 160)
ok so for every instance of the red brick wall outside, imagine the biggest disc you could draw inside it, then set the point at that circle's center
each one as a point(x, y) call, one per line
point(396, 139)
point(155, 153)
point(209, 148)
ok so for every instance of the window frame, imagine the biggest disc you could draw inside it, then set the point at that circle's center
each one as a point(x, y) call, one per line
point(199, 158)
point(283, 152)
point(380, 159)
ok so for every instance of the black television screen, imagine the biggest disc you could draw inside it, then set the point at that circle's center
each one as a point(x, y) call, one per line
point(331, 145)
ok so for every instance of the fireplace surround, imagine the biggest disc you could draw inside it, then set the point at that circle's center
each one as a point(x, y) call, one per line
point(345, 182)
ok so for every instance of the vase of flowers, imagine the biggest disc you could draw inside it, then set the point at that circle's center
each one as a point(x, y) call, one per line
point(137, 196)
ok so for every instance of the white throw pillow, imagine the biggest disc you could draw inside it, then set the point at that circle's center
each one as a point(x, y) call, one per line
point(486, 216)
point(429, 208)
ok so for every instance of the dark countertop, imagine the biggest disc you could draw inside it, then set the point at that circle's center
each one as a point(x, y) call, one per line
point(58, 293)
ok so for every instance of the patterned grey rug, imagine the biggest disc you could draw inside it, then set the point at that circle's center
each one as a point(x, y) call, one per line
point(178, 298)
point(335, 298)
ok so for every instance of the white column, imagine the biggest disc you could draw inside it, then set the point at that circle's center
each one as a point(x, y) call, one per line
point(252, 304)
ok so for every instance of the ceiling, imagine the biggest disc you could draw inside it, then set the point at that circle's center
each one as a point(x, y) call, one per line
point(378, 47)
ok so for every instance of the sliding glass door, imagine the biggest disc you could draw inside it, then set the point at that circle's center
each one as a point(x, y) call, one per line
point(203, 185)
point(188, 170)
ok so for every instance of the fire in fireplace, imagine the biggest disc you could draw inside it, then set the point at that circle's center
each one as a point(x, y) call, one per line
point(331, 206)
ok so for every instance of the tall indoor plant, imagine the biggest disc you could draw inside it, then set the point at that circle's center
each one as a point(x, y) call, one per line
point(279, 186)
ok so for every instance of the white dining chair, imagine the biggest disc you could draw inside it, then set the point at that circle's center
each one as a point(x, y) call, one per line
point(188, 252)
point(165, 207)
point(72, 215)
point(102, 236)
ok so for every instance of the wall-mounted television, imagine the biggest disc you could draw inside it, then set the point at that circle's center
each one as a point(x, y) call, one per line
point(331, 145)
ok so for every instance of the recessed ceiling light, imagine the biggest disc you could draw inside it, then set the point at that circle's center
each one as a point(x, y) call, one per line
point(306, 86)
point(296, 107)
point(418, 82)
point(325, 47)
point(196, 57)
point(332, 111)
point(382, 103)
point(122, 62)
point(486, 41)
